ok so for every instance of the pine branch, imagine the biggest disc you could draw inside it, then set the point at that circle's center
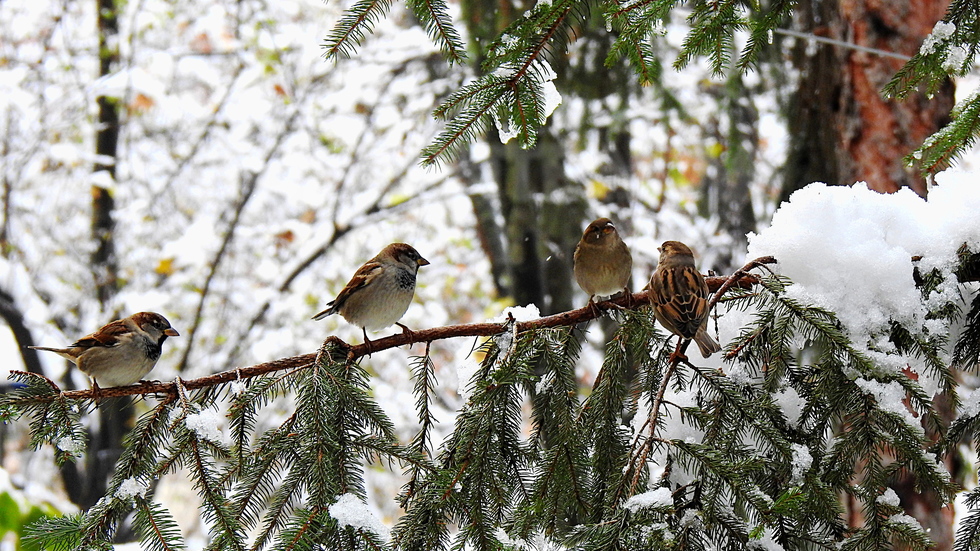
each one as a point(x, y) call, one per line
point(639, 457)
point(55, 533)
point(558, 495)
point(613, 393)
point(966, 353)
point(215, 505)
point(283, 502)
point(968, 533)
point(641, 56)
point(349, 31)
point(434, 15)
point(510, 91)
point(940, 150)
point(637, 22)
point(527, 39)
point(570, 318)
point(54, 419)
point(156, 527)
point(713, 25)
point(261, 471)
point(928, 65)
point(469, 123)
point(485, 454)
point(424, 374)
point(762, 29)
point(736, 468)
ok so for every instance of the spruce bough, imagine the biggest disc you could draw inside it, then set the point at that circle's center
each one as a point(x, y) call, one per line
point(658, 453)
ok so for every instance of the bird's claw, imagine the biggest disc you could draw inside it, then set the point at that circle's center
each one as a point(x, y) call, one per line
point(407, 331)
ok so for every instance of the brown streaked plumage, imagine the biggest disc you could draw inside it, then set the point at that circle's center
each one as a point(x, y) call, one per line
point(121, 352)
point(379, 293)
point(679, 296)
point(602, 261)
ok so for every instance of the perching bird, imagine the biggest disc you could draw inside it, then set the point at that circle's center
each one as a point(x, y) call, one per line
point(602, 261)
point(381, 290)
point(680, 296)
point(121, 352)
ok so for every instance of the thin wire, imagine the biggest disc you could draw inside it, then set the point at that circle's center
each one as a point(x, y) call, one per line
point(815, 38)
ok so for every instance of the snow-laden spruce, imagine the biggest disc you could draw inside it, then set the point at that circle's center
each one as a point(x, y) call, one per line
point(854, 251)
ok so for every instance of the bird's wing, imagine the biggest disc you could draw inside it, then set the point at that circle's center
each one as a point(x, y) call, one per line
point(108, 336)
point(362, 277)
point(687, 307)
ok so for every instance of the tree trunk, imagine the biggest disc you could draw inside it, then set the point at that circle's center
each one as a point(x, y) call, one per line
point(86, 486)
point(844, 131)
point(543, 214)
point(726, 187)
point(542, 211)
point(104, 264)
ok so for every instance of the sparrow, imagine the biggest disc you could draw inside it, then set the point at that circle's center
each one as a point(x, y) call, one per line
point(602, 261)
point(679, 296)
point(381, 290)
point(121, 352)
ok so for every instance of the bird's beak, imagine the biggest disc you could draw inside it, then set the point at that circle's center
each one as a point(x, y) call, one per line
point(171, 332)
point(422, 262)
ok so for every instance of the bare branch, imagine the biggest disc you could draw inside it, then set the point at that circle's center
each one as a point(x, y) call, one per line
point(741, 278)
point(14, 317)
point(248, 187)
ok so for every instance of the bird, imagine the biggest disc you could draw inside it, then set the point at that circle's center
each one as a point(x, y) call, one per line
point(121, 352)
point(679, 296)
point(602, 263)
point(379, 293)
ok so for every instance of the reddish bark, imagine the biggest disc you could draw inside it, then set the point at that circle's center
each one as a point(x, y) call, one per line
point(845, 131)
point(878, 133)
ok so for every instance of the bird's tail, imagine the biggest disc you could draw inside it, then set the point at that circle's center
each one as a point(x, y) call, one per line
point(65, 353)
point(331, 309)
point(706, 344)
point(55, 350)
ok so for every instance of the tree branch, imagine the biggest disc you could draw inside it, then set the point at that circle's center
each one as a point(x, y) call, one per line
point(14, 317)
point(740, 278)
point(247, 189)
point(719, 285)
